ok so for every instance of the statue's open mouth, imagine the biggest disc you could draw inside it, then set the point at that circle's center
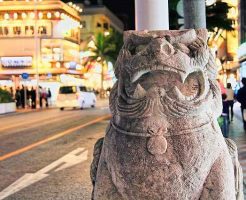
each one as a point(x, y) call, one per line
point(175, 84)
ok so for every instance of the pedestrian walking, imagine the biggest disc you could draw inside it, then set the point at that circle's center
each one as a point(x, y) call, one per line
point(224, 118)
point(222, 88)
point(49, 95)
point(40, 97)
point(22, 96)
point(241, 97)
point(18, 97)
point(45, 97)
point(230, 100)
point(33, 97)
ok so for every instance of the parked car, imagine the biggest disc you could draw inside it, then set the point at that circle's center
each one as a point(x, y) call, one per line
point(75, 96)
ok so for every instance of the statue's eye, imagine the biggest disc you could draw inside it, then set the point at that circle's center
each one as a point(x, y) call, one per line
point(140, 48)
point(136, 49)
point(132, 50)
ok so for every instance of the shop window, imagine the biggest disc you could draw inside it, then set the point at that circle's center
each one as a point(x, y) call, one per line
point(83, 23)
point(99, 25)
point(17, 30)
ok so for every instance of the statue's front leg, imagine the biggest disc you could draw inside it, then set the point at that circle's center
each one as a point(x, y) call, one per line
point(220, 183)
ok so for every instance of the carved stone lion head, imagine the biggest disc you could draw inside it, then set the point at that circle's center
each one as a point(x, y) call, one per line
point(166, 74)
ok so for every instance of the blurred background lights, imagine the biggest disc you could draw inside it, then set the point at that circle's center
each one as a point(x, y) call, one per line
point(57, 14)
point(15, 15)
point(40, 15)
point(32, 15)
point(48, 15)
point(23, 15)
point(6, 16)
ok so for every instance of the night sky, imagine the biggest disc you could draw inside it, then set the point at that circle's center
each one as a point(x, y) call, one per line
point(124, 10)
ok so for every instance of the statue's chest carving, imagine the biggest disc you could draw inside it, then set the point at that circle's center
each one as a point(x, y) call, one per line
point(146, 153)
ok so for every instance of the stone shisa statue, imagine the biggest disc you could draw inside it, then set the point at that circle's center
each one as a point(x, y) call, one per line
point(163, 141)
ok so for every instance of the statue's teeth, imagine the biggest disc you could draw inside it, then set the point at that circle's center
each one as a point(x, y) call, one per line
point(178, 93)
point(139, 92)
point(182, 97)
point(139, 74)
point(183, 76)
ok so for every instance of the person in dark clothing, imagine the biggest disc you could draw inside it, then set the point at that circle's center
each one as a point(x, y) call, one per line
point(40, 97)
point(230, 99)
point(241, 97)
point(33, 97)
point(225, 105)
point(225, 116)
point(18, 97)
point(49, 96)
point(22, 97)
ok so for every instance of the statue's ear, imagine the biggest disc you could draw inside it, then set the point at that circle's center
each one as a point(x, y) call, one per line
point(185, 36)
point(203, 34)
point(127, 35)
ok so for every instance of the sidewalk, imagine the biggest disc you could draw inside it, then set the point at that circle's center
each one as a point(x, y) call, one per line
point(237, 133)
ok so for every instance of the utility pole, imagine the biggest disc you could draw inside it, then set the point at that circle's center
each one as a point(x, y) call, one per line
point(151, 15)
point(36, 52)
point(194, 14)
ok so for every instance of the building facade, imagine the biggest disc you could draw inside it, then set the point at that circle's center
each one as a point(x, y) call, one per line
point(40, 38)
point(94, 20)
point(225, 44)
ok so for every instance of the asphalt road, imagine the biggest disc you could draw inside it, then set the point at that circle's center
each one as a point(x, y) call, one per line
point(46, 155)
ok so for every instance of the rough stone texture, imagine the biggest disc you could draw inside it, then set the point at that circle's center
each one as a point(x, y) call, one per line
point(163, 141)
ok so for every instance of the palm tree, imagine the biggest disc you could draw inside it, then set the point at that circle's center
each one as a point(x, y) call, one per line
point(105, 49)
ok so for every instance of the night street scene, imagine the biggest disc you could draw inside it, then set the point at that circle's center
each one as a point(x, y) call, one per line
point(122, 99)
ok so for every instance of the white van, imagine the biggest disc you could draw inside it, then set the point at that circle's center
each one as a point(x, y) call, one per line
point(75, 96)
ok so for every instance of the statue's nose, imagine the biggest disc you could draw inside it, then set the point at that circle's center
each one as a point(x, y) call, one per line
point(162, 47)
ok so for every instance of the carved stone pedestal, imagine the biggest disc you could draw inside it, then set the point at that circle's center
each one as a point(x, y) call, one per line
point(163, 141)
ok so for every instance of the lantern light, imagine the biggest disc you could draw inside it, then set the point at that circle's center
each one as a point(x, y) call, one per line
point(40, 15)
point(49, 15)
point(57, 14)
point(15, 15)
point(62, 15)
point(58, 65)
point(32, 15)
point(23, 15)
point(6, 16)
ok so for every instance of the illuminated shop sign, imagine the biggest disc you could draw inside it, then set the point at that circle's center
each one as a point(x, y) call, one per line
point(20, 28)
point(16, 62)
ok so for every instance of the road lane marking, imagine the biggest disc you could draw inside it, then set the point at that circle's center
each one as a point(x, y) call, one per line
point(36, 121)
point(73, 158)
point(56, 136)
